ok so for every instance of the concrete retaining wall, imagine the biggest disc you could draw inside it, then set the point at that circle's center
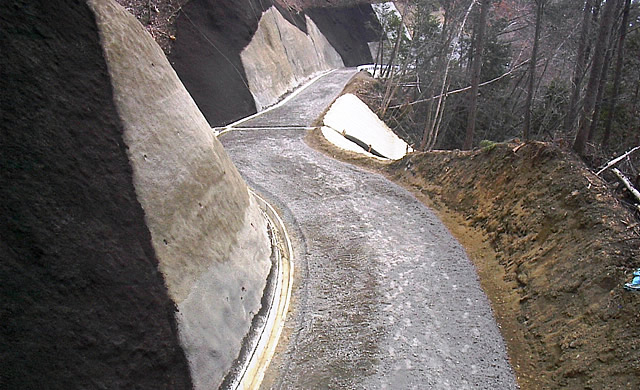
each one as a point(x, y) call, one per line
point(208, 233)
point(280, 56)
point(133, 255)
point(84, 305)
point(212, 35)
point(132, 252)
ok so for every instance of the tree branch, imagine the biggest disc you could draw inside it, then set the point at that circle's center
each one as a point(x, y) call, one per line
point(617, 160)
point(465, 88)
point(627, 183)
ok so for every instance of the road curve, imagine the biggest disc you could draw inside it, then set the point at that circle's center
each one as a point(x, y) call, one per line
point(384, 296)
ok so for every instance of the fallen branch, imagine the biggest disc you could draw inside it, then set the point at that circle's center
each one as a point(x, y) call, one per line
point(617, 160)
point(627, 183)
point(463, 89)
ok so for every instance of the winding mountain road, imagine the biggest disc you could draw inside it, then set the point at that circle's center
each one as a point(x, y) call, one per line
point(384, 296)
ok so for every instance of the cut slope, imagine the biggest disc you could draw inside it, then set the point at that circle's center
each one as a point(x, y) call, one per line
point(119, 205)
point(281, 57)
point(349, 29)
point(211, 34)
point(209, 234)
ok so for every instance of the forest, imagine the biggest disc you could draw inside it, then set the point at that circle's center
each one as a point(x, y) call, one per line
point(462, 73)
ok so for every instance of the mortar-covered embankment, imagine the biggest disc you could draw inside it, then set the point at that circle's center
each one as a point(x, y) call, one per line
point(120, 207)
point(236, 58)
point(83, 303)
point(553, 248)
point(280, 56)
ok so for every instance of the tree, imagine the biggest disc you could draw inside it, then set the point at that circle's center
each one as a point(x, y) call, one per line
point(434, 100)
point(475, 75)
point(590, 96)
point(618, 73)
point(532, 69)
point(579, 70)
point(434, 119)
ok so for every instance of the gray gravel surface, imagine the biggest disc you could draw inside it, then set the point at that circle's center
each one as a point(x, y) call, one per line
point(385, 297)
point(307, 105)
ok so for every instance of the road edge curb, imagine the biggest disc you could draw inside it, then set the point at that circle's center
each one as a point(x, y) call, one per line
point(254, 369)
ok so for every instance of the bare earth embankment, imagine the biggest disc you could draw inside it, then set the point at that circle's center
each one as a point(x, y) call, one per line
point(553, 247)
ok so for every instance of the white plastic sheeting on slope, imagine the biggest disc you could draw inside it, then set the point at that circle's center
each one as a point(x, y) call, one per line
point(348, 115)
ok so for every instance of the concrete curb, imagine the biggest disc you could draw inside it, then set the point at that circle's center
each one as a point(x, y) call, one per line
point(255, 367)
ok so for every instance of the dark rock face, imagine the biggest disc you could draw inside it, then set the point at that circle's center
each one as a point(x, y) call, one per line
point(212, 33)
point(348, 29)
point(206, 55)
point(83, 303)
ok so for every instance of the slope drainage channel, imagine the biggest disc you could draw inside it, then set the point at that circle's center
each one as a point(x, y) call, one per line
point(259, 347)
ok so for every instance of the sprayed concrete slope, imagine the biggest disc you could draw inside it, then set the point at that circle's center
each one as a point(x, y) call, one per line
point(280, 56)
point(120, 207)
point(255, 50)
point(83, 304)
point(208, 233)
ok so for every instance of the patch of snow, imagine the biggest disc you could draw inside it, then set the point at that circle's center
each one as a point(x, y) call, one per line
point(349, 116)
point(375, 70)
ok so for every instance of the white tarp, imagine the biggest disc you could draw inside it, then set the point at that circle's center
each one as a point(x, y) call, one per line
point(350, 117)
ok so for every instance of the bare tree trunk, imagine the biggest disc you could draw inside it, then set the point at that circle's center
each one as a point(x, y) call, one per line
point(379, 57)
point(390, 74)
point(596, 71)
point(430, 135)
point(472, 49)
point(475, 75)
point(532, 70)
point(393, 86)
point(595, 119)
point(396, 47)
point(579, 70)
point(600, 95)
point(618, 73)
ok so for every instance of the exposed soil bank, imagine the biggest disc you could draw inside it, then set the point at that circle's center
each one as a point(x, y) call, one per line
point(552, 246)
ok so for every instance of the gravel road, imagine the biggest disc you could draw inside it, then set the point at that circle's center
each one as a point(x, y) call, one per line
point(384, 296)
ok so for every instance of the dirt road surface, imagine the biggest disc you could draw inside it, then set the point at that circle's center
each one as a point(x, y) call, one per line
point(384, 296)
